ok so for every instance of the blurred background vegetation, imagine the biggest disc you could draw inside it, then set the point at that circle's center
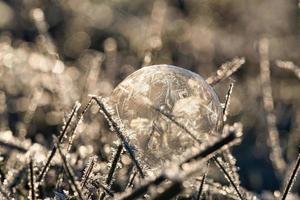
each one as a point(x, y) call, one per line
point(53, 53)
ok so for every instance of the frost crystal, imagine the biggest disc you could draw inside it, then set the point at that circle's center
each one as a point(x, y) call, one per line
point(148, 99)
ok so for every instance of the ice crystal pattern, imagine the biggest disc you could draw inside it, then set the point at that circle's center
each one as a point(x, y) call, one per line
point(146, 101)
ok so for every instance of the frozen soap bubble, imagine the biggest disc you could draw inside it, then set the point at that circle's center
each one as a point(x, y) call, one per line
point(177, 92)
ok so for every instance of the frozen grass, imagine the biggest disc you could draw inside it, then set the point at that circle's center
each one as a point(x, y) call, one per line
point(92, 156)
point(168, 184)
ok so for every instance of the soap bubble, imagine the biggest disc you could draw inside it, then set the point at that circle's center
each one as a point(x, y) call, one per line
point(180, 94)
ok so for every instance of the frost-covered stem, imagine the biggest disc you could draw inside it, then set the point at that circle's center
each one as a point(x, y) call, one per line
point(31, 179)
point(291, 179)
point(265, 77)
point(60, 138)
point(226, 70)
point(120, 135)
point(131, 179)
point(227, 139)
point(227, 102)
point(72, 134)
point(87, 172)
point(230, 165)
point(70, 173)
point(232, 135)
point(200, 190)
point(213, 148)
point(228, 177)
point(112, 169)
point(114, 164)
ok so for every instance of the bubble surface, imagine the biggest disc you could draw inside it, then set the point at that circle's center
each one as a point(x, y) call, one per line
point(184, 96)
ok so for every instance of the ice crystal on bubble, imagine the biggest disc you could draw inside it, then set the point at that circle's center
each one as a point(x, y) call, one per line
point(181, 95)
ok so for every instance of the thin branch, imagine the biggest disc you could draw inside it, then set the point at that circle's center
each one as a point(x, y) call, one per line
point(200, 190)
point(228, 177)
point(114, 164)
point(229, 163)
point(131, 179)
point(112, 168)
point(31, 180)
point(60, 138)
point(80, 117)
point(119, 133)
point(70, 173)
point(291, 179)
point(227, 102)
point(88, 171)
point(212, 149)
point(226, 70)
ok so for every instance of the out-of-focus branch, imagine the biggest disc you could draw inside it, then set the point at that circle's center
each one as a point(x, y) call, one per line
point(268, 102)
point(289, 66)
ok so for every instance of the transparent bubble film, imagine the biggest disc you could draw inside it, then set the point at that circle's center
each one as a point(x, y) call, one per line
point(156, 103)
